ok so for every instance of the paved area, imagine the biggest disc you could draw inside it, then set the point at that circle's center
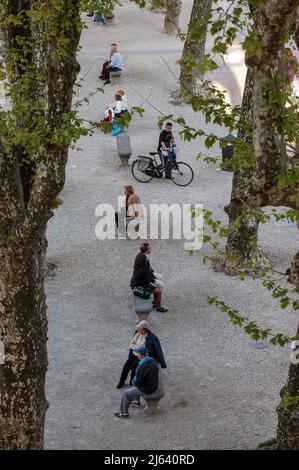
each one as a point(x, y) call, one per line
point(221, 392)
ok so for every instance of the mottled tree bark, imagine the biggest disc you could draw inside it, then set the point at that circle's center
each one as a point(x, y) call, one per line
point(172, 16)
point(241, 245)
point(26, 201)
point(157, 6)
point(194, 48)
point(272, 24)
point(24, 333)
point(288, 416)
point(258, 187)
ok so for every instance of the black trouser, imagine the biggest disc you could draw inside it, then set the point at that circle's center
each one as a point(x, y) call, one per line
point(130, 365)
point(121, 221)
point(107, 69)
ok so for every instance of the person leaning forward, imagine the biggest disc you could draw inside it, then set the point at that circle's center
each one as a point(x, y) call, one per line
point(142, 337)
point(146, 382)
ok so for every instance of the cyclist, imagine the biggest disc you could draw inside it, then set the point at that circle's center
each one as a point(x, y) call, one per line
point(162, 147)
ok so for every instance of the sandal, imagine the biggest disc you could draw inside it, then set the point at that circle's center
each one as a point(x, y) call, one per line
point(162, 309)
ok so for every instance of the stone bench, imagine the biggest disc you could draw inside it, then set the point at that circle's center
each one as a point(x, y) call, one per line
point(142, 307)
point(124, 150)
point(114, 76)
point(152, 401)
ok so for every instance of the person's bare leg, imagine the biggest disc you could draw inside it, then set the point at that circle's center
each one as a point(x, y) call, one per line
point(157, 297)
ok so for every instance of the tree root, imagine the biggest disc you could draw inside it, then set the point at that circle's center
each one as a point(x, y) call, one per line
point(252, 266)
point(270, 444)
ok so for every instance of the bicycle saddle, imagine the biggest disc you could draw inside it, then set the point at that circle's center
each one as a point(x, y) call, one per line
point(154, 153)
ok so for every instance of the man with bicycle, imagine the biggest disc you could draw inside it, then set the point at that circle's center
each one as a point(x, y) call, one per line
point(166, 148)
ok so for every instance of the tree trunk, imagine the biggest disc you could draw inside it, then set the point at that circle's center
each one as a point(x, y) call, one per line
point(288, 416)
point(172, 16)
point(194, 48)
point(157, 6)
point(257, 187)
point(241, 245)
point(40, 52)
point(24, 334)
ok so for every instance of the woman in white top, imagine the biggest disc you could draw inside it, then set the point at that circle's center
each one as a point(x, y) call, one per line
point(132, 361)
point(113, 111)
point(123, 98)
point(119, 107)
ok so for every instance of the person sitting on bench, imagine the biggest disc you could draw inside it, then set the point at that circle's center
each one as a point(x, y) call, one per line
point(113, 64)
point(142, 337)
point(145, 382)
point(147, 249)
point(123, 98)
point(115, 110)
point(133, 209)
point(142, 277)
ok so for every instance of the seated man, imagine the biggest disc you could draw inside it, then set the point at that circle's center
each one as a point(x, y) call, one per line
point(145, 382)
point(114, 64)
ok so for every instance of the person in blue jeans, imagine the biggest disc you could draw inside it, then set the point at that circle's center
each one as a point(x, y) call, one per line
point(145, 382)
point(170, 147)
point(97, 19)
point(164, 144)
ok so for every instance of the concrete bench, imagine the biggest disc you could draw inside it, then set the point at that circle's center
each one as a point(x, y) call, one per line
point(153, 400)
point(114, 76)
point(142, 307)
point(124, 150)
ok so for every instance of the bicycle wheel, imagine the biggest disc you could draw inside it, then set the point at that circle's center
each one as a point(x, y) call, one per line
point(140, 175)
point(181, 173)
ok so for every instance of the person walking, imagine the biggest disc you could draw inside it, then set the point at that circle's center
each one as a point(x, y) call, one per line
point(142, 337)
point(145, 382)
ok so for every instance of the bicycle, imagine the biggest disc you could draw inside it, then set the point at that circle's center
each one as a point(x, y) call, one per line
point(144, 169)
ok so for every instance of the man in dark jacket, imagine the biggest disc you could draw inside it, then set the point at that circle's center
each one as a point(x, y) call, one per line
point(162, 146)
point(142, 337)
point(146, 382)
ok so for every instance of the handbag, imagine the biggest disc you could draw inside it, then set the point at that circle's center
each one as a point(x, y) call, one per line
point(144, 292)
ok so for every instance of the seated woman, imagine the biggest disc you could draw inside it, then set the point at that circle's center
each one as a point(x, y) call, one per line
point(124, 99)
point(119, 107)
point(115, 110)
point(142, 277)
point(133, 208)
point(142, 337)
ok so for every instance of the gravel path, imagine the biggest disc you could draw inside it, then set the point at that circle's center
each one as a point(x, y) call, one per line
point(221, 392)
